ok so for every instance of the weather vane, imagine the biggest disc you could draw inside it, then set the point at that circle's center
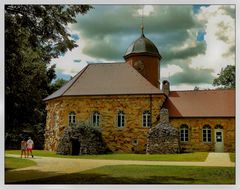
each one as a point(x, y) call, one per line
point(142, 26)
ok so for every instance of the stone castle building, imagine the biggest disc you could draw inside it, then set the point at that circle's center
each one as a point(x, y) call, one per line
point(125, 99)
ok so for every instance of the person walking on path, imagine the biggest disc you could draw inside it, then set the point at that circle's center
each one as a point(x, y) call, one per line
point(29, 146)
point(23, 147)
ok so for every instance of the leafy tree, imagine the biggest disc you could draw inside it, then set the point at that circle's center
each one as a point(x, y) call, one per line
point(58, 84)
point(34, 34)
point(226, 77)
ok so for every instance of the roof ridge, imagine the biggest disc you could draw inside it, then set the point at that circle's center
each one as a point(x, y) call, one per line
point(106, 63)
point(204, 90)
point(80, 73)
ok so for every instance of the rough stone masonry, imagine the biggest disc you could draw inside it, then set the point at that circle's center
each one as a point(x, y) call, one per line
point(164, 138)
point(89, 139)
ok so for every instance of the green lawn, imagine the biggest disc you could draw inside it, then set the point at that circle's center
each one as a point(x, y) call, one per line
point(196, 156)
point(16, 163)
point(142, 174)
point(232, 157)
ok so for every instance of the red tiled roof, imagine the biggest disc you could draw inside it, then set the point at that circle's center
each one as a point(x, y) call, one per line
point(206, 103)
point(106, 79)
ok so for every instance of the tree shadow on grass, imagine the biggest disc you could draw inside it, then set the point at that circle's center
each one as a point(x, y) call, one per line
point(21, 176)
point(39, 177)
point(80, 178)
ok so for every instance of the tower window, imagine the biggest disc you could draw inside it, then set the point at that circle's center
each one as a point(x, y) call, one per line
point(120, 119)
point(184, 133)
point(146, 119)
point(95, 118)
point(206, 133)
point(71, 118)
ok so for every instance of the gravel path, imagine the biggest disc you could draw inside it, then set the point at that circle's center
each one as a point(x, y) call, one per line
point(58, 166)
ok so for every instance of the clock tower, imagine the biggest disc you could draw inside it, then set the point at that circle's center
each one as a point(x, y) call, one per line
point(143, 55)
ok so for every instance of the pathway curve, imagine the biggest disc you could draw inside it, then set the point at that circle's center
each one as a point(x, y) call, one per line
point(57, 166)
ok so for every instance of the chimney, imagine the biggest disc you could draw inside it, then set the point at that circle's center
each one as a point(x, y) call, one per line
point(164, 116)
point(166, 87)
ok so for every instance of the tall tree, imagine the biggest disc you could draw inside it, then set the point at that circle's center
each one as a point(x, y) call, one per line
point(34, 34)
point(226, 77)
point(58, 84)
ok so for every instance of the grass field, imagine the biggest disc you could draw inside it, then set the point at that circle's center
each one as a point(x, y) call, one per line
point(16, 163)
point(142, 174)
point(196, 156)
point(124, 174)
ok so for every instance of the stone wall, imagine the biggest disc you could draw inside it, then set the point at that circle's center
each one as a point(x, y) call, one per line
point(195, 142)
point(88, 138)
point(164, 138)
point(131, 138)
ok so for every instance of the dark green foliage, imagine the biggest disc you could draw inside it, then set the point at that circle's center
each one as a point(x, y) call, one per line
point(58, 84)
point(34, 34)
point(226, 77)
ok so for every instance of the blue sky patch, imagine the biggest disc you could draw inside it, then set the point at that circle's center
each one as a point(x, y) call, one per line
point(200, 35)
point(196, 8)
point(61, 75)
point(75, 37)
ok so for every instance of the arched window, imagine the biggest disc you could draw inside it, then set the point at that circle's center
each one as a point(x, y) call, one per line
point(206, 133)
point(184, 133)
point(71, 118)
point(95, 118)
point(55, 120)
point(218, 126)
point(120, 119)
point(146, 119)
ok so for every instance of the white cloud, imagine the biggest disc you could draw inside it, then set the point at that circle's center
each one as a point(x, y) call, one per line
point(177, 37)
point(66, 63)
point(220, 38)
point(146, 11)
point(169, 70)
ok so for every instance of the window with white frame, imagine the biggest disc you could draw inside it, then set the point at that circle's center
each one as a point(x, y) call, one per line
point(71, 118)
point(120, 119)
point(146, 119)
point(184, 134)
point(95, 118)
point(206, 133)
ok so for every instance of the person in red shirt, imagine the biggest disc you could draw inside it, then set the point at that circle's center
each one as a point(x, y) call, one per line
point(29, 146)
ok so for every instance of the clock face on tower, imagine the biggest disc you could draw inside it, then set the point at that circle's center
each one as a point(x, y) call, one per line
point(138, 65)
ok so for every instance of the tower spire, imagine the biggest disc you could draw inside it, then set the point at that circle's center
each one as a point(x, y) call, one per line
point(142, 26)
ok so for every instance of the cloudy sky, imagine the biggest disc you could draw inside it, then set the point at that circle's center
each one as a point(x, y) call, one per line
point(196, 42)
